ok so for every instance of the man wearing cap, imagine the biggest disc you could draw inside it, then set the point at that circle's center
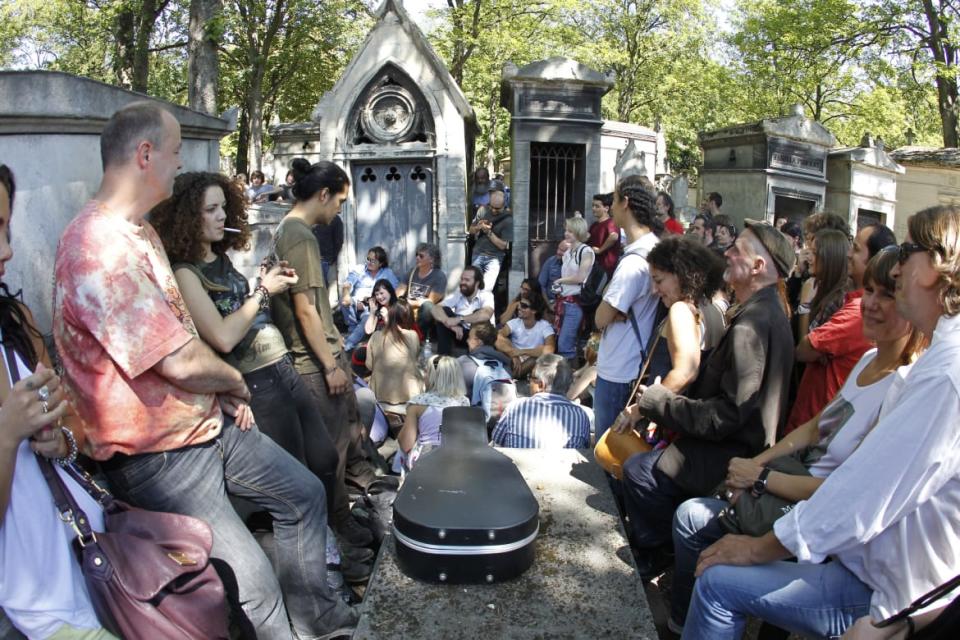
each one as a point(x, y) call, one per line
point(733, 409)
point(493, 231)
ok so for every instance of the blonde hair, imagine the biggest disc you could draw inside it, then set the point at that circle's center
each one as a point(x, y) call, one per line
point(446, 377)
point(578, 227)
point(938, 230)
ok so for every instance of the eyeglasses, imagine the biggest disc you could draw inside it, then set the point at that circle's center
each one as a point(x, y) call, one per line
point(907, 249)
point(524, 305)
point(373, 260)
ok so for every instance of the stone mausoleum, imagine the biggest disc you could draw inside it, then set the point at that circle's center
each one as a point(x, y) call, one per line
point(773, 168)
point(402, 128)
point(50, 124)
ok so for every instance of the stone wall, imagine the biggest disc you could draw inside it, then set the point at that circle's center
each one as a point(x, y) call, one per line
point(50, 125)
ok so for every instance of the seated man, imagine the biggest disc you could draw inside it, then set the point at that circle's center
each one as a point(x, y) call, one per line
point(550, 271)
point(154, 396)
point(546, 420)
point(889, 516)
point(425, 286)
point(734, 408)
point(526, 337)
point(481, 341)
point(460, 310)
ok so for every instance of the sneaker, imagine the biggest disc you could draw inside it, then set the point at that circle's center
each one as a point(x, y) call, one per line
point(674, 626)
point(352, 532)
point(343, 622)
point(356, 554)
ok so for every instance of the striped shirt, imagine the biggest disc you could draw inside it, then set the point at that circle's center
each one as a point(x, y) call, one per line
point(544, 421)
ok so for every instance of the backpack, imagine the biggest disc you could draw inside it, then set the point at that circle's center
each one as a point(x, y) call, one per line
point(591, 292)
point(493, 388)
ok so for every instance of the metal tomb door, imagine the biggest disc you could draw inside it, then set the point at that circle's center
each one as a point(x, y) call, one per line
point(394, 210)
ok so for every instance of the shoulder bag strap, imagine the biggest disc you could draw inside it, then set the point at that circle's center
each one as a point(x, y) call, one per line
point(646, 361)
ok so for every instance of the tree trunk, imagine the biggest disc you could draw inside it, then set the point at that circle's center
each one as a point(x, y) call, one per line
point(947, 105)
point(492, 133)
point(255, 113)
point(945, 57)
point(243, 141)
point(203, 75)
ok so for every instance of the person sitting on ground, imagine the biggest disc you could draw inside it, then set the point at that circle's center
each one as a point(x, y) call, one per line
point(836, 341)
point(529, 288)
point(526, 337)
point(425, 286)
point(577, 262)
point(168, 419)
point(584, 378)
point(887, 517)
point(392, 359)
point(734, 408)
point(356, 291)
point(547, 419)
point(42, 590)
point(458, 312)
point(685, 275)
point(667, 214)
point(550, 271)
point(259, 190)
point(481, 340)
point(382, 299)
point(822, 443)
point(605, 234)
point(421, 425)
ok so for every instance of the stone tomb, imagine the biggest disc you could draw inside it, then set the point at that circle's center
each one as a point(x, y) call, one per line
point(863, 184)
point(50, 124)
point(402, 128)
point(773, 168)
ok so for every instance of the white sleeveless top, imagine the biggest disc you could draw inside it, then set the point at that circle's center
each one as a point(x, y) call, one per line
point(41, 587)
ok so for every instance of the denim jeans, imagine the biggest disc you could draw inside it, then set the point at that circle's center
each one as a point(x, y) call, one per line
point(343, 426)
point(358, 331)
point(286, 411)
point(490, 265)
point(425, 319)
point(446, 339)
point(813, 600)
point(350, 316)
point(569, 330)
point(695, 527)
point(195, 481)
point(650, 498)
point(609, 399)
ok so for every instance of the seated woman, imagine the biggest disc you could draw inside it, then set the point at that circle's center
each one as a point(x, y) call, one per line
point(356, 291)
point(527, 336)
point(822, 443)
point(392, 359)
point(421, 427)
point(236, 323)
point(42, 589)
point(529, 287)
point(384, 296)
point(685, 275)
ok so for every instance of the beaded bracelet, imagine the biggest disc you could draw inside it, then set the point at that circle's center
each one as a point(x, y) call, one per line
point(72, 450)
point(264, 297)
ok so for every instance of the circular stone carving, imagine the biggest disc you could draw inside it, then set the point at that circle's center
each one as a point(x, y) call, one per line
point(390, 115)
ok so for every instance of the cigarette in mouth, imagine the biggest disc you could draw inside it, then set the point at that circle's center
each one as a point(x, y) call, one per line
point(231, 230)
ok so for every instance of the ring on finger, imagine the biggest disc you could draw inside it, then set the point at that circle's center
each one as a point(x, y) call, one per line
point(43, 393)
point(44, 406)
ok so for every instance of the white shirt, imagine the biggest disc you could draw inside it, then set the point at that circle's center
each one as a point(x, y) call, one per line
point(891, 512)
point(464, 306)
point(535, 336)
point(618, 359)
point(851, 415)
point(571, 268)
point(41, 587)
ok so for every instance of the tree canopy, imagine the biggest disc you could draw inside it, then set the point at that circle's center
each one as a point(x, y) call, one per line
point(888, 67)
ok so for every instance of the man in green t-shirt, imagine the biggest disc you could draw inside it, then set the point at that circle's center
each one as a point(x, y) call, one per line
point(305, 319)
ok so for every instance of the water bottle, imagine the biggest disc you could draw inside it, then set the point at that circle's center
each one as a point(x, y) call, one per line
point(426, 354)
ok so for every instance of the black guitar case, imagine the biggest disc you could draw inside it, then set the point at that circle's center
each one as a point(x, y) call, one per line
point(464, 513)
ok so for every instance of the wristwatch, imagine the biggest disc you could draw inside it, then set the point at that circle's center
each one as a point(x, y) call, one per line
point(760, 484)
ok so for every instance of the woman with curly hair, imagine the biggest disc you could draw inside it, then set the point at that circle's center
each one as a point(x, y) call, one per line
point(685, 275)
point(204, 219)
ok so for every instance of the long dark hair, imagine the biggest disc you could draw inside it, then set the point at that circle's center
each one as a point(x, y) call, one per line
point(16, 326)
point(832, 278)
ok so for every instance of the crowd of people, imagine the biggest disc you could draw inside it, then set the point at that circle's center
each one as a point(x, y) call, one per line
point(796, 386)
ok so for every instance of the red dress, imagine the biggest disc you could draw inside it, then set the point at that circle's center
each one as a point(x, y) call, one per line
point(599, 232)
